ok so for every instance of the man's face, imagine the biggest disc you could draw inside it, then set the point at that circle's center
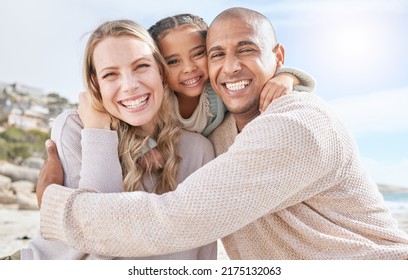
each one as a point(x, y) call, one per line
point(240, 61)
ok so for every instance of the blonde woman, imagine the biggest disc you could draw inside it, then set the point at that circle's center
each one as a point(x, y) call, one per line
point(124, 74)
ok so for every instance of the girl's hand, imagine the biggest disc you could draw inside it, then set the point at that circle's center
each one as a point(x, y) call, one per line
point(90, 117)
point(276, 87)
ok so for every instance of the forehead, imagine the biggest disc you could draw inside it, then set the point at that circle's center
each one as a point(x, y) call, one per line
point(181, 35)
point(113, 46)
point(230, 32)
point(122, 50)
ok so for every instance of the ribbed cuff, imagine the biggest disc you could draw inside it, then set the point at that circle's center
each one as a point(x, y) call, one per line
point(307, 83)
point(52, 212)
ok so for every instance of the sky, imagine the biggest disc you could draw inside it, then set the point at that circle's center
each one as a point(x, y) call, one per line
point(355, 50)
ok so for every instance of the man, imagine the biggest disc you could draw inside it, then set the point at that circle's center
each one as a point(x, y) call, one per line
point(287, 184)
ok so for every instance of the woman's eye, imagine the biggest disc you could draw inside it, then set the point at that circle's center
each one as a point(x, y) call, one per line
point(108, 75)
point(144, 65)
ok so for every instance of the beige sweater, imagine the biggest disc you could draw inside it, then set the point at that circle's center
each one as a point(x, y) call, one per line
point(291, 186)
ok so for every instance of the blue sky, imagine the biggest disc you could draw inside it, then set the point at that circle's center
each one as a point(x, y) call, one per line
point(356, 51)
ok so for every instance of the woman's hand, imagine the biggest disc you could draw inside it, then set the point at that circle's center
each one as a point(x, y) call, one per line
point(90, 117)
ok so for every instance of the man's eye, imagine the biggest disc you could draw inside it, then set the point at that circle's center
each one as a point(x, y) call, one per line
point(216, 55)
point(246, 50)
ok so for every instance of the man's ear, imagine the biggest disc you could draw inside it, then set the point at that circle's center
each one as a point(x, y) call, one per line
point(279, 51)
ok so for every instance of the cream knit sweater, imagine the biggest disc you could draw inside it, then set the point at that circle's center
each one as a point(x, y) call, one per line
point(291, 186)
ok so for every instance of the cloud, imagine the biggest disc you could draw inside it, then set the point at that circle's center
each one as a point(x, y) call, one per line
point(381, 112)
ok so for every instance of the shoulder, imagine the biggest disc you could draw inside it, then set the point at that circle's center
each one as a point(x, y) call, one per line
point(192, 140)
point(224, 135)
point(195, 146)
point(66, 125)
point(67, 118)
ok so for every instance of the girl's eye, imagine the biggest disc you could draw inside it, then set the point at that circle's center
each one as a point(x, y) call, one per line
point(172, 62)
point(199, 54)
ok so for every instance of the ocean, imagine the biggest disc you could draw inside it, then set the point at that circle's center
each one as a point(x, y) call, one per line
point(396, 201)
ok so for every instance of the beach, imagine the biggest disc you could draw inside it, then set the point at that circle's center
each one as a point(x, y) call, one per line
point(18, 227)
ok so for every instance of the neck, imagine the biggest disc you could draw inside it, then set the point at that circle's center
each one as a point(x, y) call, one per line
point(187, 104)
point(242, 120)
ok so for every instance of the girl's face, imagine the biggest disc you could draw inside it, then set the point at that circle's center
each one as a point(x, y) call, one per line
point(184, 50)
point(130, 80)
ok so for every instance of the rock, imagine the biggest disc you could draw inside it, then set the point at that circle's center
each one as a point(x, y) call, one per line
point(5, 182)
point(33, 162)
point(23, 186)
point(27, 201)
point(17, 173)
point(393, 189)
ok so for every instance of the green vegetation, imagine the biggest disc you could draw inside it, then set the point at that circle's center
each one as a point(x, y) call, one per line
point(17, 144)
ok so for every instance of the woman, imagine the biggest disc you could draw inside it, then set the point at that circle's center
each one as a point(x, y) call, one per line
point(124, 74)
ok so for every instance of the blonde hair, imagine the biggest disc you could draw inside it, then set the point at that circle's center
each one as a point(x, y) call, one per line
point(132, 139)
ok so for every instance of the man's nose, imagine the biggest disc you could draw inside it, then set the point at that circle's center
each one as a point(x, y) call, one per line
point(231, 65)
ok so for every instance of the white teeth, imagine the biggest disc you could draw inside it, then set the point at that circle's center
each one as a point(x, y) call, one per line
point(238, 85)
point(191, 81)
point(131, 104)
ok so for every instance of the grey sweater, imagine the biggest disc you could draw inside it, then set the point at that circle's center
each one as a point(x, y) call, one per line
point(90, 158)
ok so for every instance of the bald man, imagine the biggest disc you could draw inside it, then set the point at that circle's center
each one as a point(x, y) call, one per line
point(287, 183)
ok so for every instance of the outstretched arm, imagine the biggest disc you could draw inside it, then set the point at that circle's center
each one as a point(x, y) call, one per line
point(210, 203)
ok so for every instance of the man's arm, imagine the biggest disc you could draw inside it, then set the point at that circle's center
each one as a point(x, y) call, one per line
point(273, 159)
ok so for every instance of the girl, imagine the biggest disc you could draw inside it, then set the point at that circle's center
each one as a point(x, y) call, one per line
point(124, 74)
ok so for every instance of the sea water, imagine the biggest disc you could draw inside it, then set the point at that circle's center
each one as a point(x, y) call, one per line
point(396, 201)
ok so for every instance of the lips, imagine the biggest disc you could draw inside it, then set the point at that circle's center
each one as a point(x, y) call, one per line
point(133, 103)
point(237, 85)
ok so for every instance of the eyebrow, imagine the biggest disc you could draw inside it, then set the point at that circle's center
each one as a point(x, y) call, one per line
point(132, 63)
point(240, 44)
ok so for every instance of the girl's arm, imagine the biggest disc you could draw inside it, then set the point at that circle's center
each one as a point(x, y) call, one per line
point(285, 80)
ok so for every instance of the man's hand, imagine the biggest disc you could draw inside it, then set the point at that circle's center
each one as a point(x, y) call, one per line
point(51, 171)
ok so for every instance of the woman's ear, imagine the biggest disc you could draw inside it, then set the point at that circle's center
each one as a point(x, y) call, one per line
point(279, 51)
point(93, 79)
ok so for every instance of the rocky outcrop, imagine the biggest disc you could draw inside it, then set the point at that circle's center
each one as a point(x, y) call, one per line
point(18, 173)
point(392, 189)
point(17, 195)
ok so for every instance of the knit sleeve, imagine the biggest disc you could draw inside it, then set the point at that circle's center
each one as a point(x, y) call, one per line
point(307, 83)
point(66, 133)
point(217, 109)
point(270, 166)
point(101, 168)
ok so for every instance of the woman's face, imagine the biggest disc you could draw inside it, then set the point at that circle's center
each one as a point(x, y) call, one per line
point(130, 80)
